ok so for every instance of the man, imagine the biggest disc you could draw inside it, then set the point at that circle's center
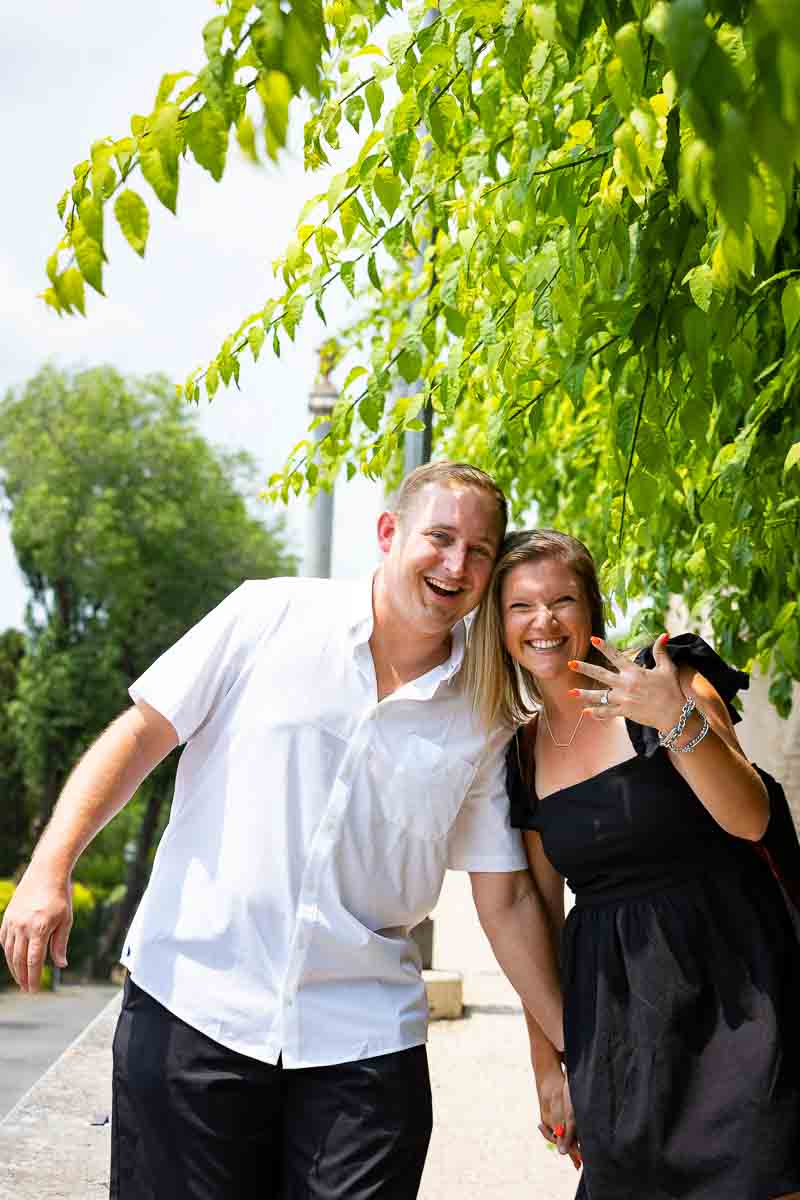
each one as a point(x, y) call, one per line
point(272, 1035)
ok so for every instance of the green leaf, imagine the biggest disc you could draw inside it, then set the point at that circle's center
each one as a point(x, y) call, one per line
point(165, 186)
point(246, 137)
point(255, 338)
point(134, 220)
point(372, 272)
point(456, 321)
point(374, 95)
point(731, 174)
point(790, 306)
point(700, 281)
point(73, 289)
point(409, 364)
point(212, 380)
point(347, 273)
point(388, 189)
point(89, 256)
point(90, 212)
point(62, 204)
point(164, 131)
point(792, 458)
point(629, 49)
point(353, 374)
point(275, 91)
point(370, 409)
point(767, 214)
point(398, 46)
point(207, 138)
point(354, 111)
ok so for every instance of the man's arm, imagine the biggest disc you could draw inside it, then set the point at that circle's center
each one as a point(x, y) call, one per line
point(513, 918)
point(40, 911)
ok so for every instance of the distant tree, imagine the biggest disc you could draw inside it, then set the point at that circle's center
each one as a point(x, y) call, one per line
point(14, 815)
point(128, 527)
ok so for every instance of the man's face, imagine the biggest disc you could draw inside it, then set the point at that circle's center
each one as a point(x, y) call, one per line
point(438, 557)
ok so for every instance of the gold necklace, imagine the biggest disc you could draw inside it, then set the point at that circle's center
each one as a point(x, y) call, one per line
point(561, 745)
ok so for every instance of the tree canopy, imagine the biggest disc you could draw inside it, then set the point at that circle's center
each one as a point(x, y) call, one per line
point(128, 527)
point(571, 227)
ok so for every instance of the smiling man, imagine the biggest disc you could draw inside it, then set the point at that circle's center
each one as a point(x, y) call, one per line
point(271, 1040)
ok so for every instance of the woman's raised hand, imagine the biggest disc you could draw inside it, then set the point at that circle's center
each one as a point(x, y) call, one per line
point(647, 697)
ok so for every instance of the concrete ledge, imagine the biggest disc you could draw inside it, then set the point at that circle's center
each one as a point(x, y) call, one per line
point(49, 1148)
point(445, 992)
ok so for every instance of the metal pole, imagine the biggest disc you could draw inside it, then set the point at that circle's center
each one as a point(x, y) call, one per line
point(319, 538)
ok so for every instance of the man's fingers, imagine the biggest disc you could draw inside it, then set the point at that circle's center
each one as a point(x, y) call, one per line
point(58, 943)
point(19, 967)
point(547, 1132)
point(37, 948)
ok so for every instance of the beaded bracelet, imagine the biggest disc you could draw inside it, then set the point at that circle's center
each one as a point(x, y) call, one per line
point(668, 739)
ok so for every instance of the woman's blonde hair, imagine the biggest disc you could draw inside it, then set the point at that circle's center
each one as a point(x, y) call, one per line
point(502, 690)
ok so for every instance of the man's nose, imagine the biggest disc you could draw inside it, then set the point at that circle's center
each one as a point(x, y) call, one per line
point(456, 560)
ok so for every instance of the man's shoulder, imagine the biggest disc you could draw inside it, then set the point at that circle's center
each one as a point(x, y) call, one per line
point(265, 603)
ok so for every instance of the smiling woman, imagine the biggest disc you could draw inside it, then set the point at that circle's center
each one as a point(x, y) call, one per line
point(680, 956)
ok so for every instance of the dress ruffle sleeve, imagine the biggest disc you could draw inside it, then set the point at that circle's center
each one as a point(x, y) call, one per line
point(688, 648)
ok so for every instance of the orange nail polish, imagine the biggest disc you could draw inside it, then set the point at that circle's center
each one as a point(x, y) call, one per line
point(595, 641)
point(573, 692)
point(572, 664)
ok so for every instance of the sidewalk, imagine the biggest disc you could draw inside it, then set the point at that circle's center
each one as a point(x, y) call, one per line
point(485, 1144)
point(36, 1029)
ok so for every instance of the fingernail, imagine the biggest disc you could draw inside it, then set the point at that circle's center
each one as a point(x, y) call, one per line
point(664, 638)
point(595, 641)
point(573, 692)
point(572, 663)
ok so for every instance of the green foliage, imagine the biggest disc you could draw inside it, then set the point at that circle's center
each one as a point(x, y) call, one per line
point(572, 230)
point(14, 810)
point(128, 527)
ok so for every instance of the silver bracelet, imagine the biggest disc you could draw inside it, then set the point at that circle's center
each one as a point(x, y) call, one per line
point(668, 739)
point(696, 740)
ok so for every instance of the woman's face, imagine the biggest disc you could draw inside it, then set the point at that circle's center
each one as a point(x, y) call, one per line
point(546, 620)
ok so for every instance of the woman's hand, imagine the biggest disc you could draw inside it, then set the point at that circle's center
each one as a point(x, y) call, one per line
point(650, 698)
point(557, 1124)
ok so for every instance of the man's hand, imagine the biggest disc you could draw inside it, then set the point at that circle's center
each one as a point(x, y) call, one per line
point(39, 915)
point(557, 1124)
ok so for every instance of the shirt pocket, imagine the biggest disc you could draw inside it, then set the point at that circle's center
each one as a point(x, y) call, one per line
point(426, 788)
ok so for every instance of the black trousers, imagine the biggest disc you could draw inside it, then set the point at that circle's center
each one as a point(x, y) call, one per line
point(193, 1120)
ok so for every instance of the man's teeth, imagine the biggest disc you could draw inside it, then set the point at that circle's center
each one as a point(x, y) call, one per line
point(446, 588)
point(548, 645)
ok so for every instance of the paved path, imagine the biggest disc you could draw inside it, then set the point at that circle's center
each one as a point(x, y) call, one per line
point(485, 1144)
point(36, 1029)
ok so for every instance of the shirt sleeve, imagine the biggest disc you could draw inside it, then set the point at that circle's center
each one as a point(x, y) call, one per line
point(191, 678)
point(481, 838)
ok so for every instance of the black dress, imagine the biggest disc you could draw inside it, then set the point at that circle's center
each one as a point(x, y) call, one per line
point(681, 978)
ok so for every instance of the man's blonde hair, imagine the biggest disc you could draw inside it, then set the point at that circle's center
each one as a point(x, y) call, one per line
point(449, 474)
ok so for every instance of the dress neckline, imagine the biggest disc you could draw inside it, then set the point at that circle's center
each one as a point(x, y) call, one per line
point(625, 762)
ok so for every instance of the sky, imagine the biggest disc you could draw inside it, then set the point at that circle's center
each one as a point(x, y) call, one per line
point(72, 74)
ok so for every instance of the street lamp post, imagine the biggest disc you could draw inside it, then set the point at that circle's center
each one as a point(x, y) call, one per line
point(321, 400)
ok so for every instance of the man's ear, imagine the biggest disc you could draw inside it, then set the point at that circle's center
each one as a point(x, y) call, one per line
point(387, 528)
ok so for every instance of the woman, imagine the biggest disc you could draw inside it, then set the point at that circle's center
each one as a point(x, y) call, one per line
point(680, 962)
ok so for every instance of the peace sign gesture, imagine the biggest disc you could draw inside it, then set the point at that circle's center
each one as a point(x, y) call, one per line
point(646, 697)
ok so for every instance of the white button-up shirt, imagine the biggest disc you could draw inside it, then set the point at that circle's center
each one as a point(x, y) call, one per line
point(311, 827)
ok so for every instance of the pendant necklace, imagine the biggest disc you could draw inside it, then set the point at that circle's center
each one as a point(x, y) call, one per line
point(561, 745)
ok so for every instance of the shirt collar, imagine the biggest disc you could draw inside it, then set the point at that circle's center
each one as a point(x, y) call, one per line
point(362, 620)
